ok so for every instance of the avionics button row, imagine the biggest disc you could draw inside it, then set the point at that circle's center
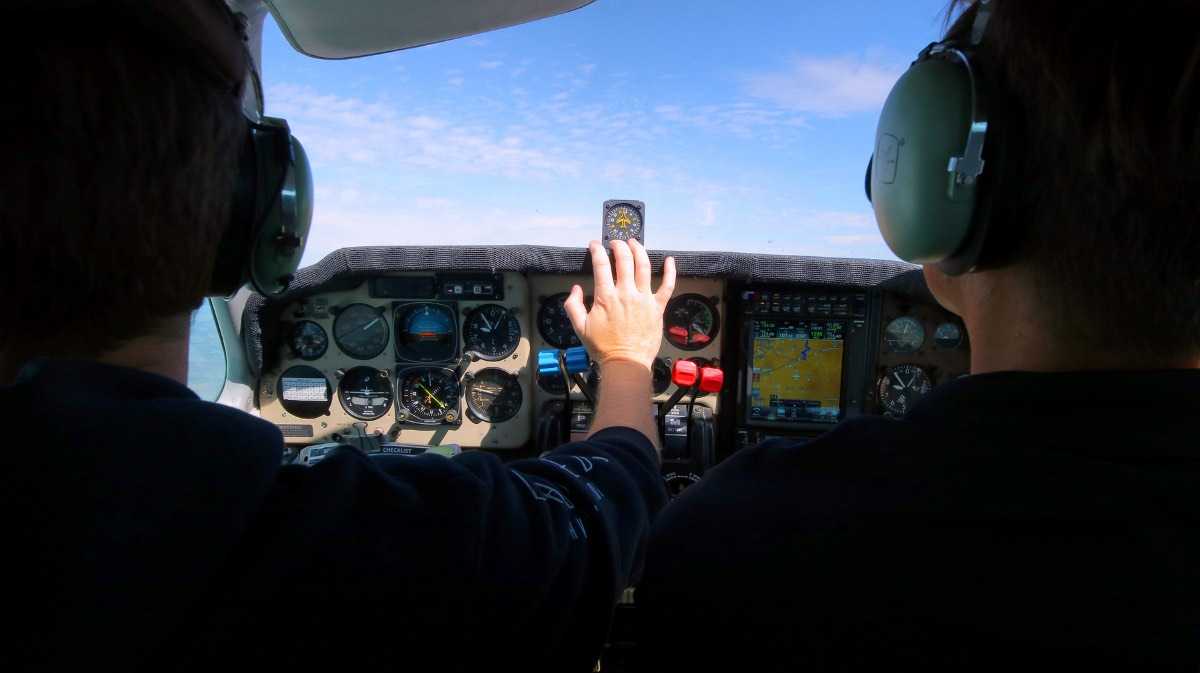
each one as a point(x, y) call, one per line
point(817, 305)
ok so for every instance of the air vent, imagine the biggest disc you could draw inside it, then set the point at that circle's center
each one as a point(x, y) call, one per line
point(296, 430)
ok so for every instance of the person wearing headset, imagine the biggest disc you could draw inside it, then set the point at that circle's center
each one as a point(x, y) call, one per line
point(148, 530)
point(1043, 163)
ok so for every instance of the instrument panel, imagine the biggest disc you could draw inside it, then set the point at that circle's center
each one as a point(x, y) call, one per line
point(438, 359)
point(451, 359)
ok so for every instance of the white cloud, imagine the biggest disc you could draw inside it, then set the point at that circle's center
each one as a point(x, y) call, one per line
point(829, 87)
point(490, 65)
point(565, 154)
point(339, 131)
point(743, 119)
point(455, 81)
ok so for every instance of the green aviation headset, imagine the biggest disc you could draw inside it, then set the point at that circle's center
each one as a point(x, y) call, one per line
point(272, 200)
point(923, 180)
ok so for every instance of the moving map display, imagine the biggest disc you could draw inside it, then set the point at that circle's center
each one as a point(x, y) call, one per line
point(795, 371)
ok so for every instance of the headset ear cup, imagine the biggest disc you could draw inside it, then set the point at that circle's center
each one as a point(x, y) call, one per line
point(925, 216)
point(279, 243)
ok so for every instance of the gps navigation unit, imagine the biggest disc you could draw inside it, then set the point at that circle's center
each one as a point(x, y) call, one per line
point(795, 371)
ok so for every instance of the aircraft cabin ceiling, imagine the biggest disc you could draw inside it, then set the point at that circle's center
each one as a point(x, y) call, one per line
point(350, 28)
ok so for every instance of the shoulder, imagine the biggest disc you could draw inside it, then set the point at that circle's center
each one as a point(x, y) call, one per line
point(846, 449)
point(862, 464)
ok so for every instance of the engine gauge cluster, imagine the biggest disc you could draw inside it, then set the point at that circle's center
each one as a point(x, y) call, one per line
point(691, 322)
point(921, 347)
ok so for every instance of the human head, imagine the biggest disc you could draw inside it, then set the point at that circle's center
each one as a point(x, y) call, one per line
point(1094, 171)
point(119, 159)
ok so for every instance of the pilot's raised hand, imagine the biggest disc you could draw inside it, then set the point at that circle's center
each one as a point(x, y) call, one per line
point(626, 320)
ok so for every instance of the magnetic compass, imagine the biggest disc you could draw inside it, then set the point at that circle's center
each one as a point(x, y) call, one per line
point(624, 220)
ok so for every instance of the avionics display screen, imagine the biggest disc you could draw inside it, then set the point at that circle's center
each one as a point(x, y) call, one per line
point(796, 371)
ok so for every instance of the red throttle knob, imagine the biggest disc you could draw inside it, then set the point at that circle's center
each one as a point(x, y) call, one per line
point(711, 380)
point(685, 373)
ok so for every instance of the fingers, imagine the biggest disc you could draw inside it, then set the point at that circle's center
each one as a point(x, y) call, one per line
point(575, 309)
point(601, 269)
point(641, 266)
point(623, 260)
point(667, 288)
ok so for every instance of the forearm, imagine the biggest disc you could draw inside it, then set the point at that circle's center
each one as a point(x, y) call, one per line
point(624, 399)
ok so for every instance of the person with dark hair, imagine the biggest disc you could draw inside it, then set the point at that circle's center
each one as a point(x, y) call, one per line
point(1041, 513)
point(150, 530)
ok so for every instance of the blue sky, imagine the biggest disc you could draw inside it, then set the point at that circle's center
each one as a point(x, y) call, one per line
point(743, 126)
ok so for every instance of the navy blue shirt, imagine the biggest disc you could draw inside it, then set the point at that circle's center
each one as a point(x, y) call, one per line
point(149, 530)
point(1012, 521)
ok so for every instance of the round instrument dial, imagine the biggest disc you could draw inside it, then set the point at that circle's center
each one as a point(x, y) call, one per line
point(429, 395)
point(554, 325)
point(492, 331)
point(426, 332)
point(304, 392)
point(360, 331)
point(365, 393)
point(622, 222)
point(902, 387)
point(691, 322)
point(494, 395)
point(309, 340)
point(904, 335)
point(948, 336)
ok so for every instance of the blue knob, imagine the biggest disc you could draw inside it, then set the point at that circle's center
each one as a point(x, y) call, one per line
point(547, 364)
point(577, 360)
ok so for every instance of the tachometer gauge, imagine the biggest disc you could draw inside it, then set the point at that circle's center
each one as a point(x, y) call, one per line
point(429, 395)
point(309, 340)
point(494, 395)
point(304, 392)
point(365, 393)
point(426, 332)
point(622, 221)
point(904, 335)
point(691, 322)
point(554, 325)
point(948, 336)
point(902, 387)
point(360, 331)
point(492, 331)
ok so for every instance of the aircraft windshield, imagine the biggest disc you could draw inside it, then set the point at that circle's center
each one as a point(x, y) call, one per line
point(744, 127)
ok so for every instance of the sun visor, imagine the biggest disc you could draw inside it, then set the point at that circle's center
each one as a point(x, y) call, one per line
point(350, 28)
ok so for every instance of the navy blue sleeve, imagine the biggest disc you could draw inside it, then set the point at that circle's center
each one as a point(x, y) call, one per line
point(528, 556)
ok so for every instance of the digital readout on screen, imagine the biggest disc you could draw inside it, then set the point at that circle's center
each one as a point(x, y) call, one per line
point(796, 371)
